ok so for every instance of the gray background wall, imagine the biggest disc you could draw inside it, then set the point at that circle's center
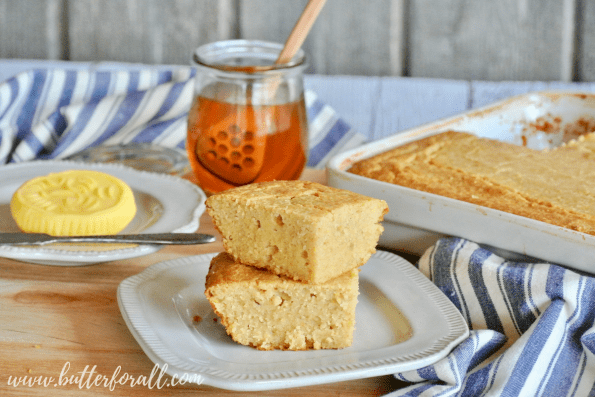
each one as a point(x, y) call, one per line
point(539, 40)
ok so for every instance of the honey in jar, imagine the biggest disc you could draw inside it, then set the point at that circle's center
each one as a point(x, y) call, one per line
point(248, 120)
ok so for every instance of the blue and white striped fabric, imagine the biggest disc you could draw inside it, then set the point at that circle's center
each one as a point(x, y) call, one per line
point(54, 113)
point(329, 134)
point(532, 327)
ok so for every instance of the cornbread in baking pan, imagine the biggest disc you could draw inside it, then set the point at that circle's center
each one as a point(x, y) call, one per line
point(267, 311)
point(302, 230)
point(554, 186)
point(73, 203)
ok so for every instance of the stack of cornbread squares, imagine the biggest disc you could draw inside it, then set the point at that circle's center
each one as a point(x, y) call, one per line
point(289, 277)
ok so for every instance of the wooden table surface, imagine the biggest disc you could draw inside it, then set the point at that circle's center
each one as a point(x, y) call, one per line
point(58, 323)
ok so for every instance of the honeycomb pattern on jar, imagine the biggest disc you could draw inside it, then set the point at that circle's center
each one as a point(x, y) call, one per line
point(73, 203)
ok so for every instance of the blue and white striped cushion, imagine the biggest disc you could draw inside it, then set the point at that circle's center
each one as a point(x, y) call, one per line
point(54, 113)
point(531, 327)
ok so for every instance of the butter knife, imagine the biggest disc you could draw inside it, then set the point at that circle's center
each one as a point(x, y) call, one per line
point(155, 238)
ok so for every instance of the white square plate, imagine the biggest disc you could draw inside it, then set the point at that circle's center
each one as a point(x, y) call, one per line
point(160, 303)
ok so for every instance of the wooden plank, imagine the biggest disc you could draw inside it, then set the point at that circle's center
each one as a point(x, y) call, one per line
point(152, 32)
point(271, 20)
point(348, 38)
point(486, 40)
point(586, 41)
point(186, 24)
point(569, 40)
point(109, 31)
point(31, 29)
point(547, 40)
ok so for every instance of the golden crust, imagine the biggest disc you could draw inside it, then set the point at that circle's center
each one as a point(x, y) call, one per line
point(550, 186)
point(300, 197)
point(303, 230)
point(266, 311)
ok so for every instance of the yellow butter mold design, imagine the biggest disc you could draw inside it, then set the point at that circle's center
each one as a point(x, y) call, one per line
point(73, 203)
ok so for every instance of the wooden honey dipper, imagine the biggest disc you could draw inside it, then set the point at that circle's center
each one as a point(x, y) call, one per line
point(234, 150)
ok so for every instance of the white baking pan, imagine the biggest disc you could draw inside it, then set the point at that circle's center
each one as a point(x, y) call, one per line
point(417, 219)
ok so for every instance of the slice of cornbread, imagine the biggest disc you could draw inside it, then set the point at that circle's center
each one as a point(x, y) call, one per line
point(268, 311)
point(302, 230)
point(73, 203)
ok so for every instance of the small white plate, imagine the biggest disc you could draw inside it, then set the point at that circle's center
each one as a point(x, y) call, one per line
point(160, 303)
point(165, 203)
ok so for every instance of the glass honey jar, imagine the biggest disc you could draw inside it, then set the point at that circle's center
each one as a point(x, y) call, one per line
point(248, 120)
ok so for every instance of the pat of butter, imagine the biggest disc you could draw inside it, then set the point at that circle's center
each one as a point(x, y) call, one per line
point(73, 203)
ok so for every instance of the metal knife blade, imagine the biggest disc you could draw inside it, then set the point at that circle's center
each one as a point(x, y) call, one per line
point(155, 238)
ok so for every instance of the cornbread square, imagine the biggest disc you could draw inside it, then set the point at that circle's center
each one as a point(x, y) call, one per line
point(302, 230)
point(268, 311)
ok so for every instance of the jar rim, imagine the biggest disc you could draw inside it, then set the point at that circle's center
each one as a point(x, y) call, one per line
point(215, 55)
